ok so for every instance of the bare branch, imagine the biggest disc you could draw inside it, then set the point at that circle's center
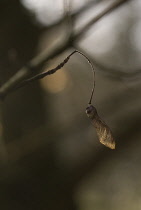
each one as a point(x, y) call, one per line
point(33, 66)
point(107, 10)
point(52, 71)
point(38, 62)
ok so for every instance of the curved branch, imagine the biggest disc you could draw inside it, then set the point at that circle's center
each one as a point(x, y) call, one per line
point(39, 61)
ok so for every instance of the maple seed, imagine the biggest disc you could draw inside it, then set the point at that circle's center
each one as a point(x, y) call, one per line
point(103, 131)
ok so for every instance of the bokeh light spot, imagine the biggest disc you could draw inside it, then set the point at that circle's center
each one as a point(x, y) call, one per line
point(55, 83)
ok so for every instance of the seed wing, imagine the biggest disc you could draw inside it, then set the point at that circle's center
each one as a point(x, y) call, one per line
point(104, 133)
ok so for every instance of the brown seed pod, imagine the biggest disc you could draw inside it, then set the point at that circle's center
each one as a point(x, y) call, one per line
point(103, 131)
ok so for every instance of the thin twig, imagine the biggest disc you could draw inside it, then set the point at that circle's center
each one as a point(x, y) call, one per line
point(34, 65)
point(112, 70)
point(52, 71)
point(38, 62)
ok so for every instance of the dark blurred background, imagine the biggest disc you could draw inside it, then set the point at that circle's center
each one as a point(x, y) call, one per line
point(50, 156)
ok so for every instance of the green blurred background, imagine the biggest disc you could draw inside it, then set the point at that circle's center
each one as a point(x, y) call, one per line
point(50, 156)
